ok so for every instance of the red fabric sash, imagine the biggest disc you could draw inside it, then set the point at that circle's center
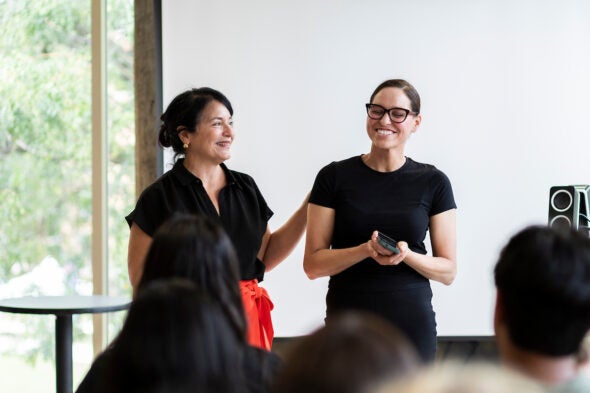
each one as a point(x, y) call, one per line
point(257, 306)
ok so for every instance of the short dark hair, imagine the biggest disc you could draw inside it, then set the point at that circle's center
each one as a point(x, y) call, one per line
point(406, 87)
point(196, 248)
point(543, 279)
point(185, 110)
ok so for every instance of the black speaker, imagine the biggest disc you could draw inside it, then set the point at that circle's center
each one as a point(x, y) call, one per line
point(568, 207)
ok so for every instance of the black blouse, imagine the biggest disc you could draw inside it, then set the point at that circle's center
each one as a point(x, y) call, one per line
point(243, 212)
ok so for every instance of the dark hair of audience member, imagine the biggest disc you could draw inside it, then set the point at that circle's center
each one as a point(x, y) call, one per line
point(542, 278)
point(175, 339)
point(196, 248)
point(352, 353)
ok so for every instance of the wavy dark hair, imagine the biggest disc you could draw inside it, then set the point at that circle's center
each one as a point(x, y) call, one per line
point(184, 112)
point(198, 249)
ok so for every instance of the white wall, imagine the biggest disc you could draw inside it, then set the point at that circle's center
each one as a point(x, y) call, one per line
point(505, 87)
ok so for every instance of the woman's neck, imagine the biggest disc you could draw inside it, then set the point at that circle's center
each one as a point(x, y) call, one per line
point(208, 173)
point(384, 161)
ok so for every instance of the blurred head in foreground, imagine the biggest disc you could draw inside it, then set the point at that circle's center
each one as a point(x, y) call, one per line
point(351, 353)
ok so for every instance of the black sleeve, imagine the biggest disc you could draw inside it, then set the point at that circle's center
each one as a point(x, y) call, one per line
point(322, 192)
point(151, 210)
point(443, 198)
point(265, 211)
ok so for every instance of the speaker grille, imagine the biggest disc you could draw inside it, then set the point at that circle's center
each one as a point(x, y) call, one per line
point(560, 222)
point(562, 200)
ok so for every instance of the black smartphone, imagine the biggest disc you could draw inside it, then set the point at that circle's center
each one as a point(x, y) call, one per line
point(387, 242)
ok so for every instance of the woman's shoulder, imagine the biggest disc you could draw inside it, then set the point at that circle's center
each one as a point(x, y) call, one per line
point(173, 178)
point(425, 168)
point(344, 164)
point(427, 175)
point(158, 188)
point(238, 177)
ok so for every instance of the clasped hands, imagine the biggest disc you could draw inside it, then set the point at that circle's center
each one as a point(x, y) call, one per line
point(384, 256)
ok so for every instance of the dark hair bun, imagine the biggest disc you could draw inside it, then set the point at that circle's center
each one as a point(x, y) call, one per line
point(165, 138)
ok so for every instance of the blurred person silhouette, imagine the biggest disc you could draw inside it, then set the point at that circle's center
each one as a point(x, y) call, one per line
point(542, 311)
point(196, 248)
point(198, 126)
point(175, 339)
point(353, 352)
point(454, 377)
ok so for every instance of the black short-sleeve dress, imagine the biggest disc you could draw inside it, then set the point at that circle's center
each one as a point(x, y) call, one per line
point(399, 204)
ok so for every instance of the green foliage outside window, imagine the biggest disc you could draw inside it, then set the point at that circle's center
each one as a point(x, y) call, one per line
point(46, 145)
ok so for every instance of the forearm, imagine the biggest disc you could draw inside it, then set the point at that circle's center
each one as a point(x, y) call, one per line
point(282, 241)
point(435, 268)
point(328, 262)
point(135, 270)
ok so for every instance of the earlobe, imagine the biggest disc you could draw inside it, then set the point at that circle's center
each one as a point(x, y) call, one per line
point(182, 135)
point(418, 120)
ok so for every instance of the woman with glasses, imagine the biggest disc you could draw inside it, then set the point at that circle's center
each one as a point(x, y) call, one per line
point(198, 126)
point(384, 192)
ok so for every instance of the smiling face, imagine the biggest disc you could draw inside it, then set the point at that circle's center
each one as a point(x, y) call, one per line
point(386, 134)
point(211, 142)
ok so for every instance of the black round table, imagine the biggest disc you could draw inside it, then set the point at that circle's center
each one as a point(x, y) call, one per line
point(63, 307)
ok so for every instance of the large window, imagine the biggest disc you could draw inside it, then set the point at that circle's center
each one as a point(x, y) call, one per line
point(46, 172)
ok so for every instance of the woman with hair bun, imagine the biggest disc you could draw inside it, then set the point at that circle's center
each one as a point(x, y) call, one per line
point(198, 126)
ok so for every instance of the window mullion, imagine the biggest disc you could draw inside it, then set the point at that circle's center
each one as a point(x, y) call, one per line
point(99, 165)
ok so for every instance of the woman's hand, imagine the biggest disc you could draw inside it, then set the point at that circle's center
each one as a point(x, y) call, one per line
point(385, 257)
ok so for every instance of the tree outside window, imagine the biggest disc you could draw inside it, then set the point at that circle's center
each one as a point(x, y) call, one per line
point(45, 163)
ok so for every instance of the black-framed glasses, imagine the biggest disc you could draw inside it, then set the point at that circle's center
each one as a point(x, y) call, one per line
point(397, 115)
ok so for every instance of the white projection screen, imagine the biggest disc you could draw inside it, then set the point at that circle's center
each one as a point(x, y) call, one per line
point(505, 89)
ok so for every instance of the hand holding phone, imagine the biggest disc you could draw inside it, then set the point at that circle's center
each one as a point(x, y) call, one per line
point(387, 243)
